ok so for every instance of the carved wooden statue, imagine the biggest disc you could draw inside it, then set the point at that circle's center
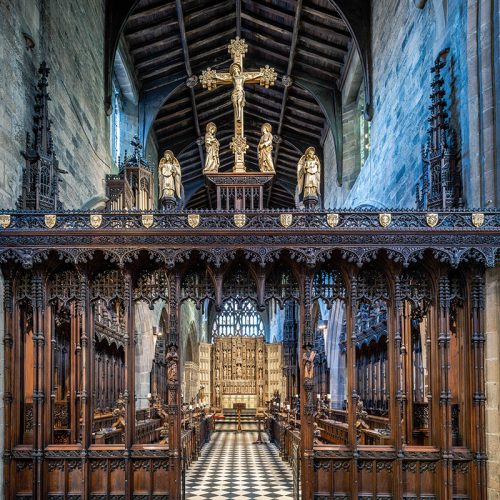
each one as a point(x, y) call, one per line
point(169, 172)
point(308, 358)
point(119, 413)
point(212, 162)
point(172, 361)
point(309, 178)
point(265, 149)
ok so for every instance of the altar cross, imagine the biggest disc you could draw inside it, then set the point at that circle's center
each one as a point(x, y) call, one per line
point(210, 79)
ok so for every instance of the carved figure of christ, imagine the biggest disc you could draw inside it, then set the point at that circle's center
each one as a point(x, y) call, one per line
point(211, 79)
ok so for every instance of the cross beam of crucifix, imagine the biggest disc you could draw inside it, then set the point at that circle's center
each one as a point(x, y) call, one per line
point(210, 79)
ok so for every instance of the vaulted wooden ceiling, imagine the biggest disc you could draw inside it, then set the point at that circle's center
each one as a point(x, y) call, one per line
point(173, 40)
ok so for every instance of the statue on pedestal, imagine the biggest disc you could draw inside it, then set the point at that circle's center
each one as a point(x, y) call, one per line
point(309, 178)
point(169, 173)
point(211, 149)
point(265, 149)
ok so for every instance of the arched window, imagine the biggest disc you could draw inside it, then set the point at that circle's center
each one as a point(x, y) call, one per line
point(238, 319)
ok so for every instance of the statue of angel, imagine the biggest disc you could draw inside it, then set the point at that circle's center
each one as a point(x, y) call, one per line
point(265, 149)
point(212, 149)
point(169, 171)
point(309, 174)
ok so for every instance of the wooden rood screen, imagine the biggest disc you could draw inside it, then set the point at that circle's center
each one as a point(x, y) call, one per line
point(407, 410)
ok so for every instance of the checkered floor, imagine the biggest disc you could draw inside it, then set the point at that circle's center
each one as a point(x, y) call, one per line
point(231, 467)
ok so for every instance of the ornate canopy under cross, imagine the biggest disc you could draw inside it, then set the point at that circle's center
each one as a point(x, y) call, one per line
point(210, 79)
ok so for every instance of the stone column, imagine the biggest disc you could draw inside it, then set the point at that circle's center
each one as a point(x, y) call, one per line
point(483, 122)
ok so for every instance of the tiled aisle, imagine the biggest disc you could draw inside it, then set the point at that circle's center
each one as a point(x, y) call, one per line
point(231, 467)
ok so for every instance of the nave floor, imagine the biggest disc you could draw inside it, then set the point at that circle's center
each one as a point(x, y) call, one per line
point(231, 467)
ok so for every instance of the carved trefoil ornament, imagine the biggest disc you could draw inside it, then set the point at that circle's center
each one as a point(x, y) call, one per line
point(477, 219)
point(96, 220)
point(147, 220)
point(332, 219)
point(431, 219)
point(240, 220)
point(193, 220)
point(286, 220)
point(385, 219)
point(50, 220)
point(5, 220)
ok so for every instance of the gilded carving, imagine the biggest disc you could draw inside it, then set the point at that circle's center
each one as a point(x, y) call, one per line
point(332, 219)
point(477, 219)
point(212, 162)
point(431, 219)
point(385, 219)
point(193, 220)
point(96, 220)
point(286, 220)
point(240, 220)
point(309, 174)
point(50, 220)
point(5, 220)
point(237, 77)
point(169, 172)
point(265, 149)
point(147, 220)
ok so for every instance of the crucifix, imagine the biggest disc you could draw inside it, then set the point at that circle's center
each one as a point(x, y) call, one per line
point(210, 79)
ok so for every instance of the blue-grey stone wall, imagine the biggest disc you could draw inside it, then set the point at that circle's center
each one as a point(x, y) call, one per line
point(405, 43)
point(68, 34)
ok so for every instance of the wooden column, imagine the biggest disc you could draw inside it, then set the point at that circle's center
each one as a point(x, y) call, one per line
point(174, 395)
point(129, 393)
point(38, 385)
point(351, 308)
point(444, 388)
point(85, 313)
point(478, 424)
point(307, 400)
point(8, 381)
point(395, 319)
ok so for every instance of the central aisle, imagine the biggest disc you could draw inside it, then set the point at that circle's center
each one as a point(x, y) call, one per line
point(231, 467)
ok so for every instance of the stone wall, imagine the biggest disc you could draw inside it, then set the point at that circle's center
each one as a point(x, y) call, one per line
point(405, 43)
point(68, 34)
point(492, 353)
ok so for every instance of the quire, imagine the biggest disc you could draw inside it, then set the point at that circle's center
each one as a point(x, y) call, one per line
point(254, 252)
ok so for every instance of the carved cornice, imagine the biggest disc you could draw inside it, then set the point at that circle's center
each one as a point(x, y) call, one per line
point(359, 237)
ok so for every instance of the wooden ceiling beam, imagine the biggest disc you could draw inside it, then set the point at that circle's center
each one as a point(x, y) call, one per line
point(187, 62)
point(289, 71)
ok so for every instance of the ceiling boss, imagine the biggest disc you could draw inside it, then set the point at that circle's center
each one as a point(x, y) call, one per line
point(237, 77)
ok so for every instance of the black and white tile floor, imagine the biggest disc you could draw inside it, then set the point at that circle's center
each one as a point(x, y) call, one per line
point(232, 467)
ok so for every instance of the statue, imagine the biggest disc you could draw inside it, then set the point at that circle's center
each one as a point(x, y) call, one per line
point(210, 79)
point(212, 149)
point(308, 358)
point(172, 359)
point(309, 177)
point(265, 149)
point(119, 413)
point(169, 172)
